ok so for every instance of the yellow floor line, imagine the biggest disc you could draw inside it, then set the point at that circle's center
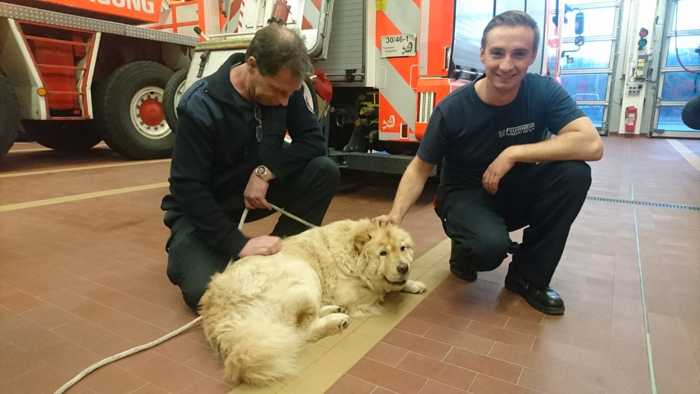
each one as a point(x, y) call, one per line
point(328, 360)
point(28, 150)
point(78, 197)
point(82, 168)
point(687, 154)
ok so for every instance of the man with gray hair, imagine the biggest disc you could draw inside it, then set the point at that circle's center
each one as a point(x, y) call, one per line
point(500, 172)
point(230, 154)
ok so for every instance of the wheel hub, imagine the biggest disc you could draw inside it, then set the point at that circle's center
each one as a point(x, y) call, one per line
point(147, 113)
point(151, 112)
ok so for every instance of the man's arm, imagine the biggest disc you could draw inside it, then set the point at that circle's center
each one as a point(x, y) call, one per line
point(308, 141)
point(578, 140)
point(410, 188)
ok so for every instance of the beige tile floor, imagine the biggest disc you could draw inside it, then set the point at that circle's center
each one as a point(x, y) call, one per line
point(82, 277)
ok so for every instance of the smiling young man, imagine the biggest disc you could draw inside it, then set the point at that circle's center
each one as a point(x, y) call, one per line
point(230, 154)
point(500, 172)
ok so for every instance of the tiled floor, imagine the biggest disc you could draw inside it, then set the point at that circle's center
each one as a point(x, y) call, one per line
point(82, 277)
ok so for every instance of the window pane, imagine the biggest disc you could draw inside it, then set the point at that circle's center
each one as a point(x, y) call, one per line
point(688, 11)
point(586, 87)
point(686, 51)
point(680, 86)
point(670, 119)
point(470, 20)
point(596, 22)
point(595, 112)
point(591, 55)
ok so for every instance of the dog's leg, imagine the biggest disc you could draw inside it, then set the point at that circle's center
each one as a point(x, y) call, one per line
point(328, 309)
point(331, 324)
point(414, 287)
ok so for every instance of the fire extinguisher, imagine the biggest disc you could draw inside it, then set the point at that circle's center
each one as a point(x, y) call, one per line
point(630, 119)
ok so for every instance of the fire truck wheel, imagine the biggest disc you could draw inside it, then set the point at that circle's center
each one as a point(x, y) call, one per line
point(9, 116)
point(171, 96)
point(129, 109)
point(63, 135)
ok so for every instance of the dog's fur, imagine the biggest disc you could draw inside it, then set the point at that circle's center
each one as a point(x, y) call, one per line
point(261, 310)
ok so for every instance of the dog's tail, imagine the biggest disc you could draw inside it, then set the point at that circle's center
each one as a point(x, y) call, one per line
point(265, 351)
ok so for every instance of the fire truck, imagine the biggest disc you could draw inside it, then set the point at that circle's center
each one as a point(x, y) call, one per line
point(73, 73)
point(388, 62)
point(381, 66)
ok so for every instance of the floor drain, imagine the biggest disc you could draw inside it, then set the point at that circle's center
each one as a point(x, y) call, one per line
point(668, 205)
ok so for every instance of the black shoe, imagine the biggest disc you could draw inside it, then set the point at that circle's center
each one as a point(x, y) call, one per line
point(464, 274)
point(545, 300)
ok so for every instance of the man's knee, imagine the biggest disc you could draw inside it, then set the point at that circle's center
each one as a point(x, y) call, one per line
point(576, 175)
point(325, 170)
point(484, 253)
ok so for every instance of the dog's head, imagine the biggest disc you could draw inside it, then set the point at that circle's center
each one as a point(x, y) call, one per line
point(385, 255)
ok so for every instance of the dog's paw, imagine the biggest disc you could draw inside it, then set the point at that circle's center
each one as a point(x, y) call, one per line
point(344, 322)
point(414, 287)
point(328, 309)
point(337, 322)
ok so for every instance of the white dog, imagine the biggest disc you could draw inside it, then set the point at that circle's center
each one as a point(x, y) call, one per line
point(261, 310)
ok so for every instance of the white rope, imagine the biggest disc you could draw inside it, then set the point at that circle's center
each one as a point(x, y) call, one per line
point(291, 215)
point(123, 354)
point(167, 336)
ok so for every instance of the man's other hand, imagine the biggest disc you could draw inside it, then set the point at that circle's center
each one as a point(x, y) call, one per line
point(264, 245)
point(497, 170)
point(255, 192)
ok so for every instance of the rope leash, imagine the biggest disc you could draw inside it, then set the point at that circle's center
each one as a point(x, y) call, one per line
point(169, 335)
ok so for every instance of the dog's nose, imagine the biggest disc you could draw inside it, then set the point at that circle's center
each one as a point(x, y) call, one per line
point(402, 268)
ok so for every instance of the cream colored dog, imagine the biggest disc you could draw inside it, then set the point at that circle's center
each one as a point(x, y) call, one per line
point(261, 310)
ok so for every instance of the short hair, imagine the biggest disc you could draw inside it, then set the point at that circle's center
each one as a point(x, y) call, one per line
point(275, 47)
point(513, 18)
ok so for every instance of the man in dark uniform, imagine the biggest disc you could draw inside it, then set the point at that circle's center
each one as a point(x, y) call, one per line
point(230, 154)
point(500, 172)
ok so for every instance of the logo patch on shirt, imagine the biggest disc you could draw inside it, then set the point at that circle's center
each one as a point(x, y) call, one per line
point(516, 130)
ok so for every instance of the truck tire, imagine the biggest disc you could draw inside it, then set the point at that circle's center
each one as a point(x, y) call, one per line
point(171, 96)
point(9, 116)
point(129, 110)
point(63, 135)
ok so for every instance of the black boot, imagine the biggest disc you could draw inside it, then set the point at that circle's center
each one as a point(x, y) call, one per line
point(544, 299)
point(459, 267)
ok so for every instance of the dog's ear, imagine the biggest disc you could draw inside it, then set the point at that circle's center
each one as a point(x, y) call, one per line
point(361, 238)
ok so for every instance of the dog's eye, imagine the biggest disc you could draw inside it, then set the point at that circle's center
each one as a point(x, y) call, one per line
point(403, 248)
point(383, 253)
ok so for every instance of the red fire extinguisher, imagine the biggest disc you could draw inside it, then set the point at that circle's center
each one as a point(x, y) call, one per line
point(630, 119)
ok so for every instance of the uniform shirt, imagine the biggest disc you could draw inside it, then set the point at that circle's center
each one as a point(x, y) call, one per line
point(469, 134)
point(216, 150)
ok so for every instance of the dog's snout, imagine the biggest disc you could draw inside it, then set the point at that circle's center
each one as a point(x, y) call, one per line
point(402, 268)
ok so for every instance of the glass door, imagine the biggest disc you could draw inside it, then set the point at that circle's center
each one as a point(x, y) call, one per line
point(586, 64)
point(679, 77)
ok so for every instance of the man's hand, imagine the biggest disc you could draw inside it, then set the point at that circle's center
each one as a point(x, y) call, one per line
point(255, 192)
point(261, 246)
point(387, 219)
point(497, 170)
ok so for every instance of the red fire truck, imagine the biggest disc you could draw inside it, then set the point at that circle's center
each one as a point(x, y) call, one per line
point(73, 73)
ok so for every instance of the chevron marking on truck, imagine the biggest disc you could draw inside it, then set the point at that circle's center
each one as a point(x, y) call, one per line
point(311, 14)
point(398, 75)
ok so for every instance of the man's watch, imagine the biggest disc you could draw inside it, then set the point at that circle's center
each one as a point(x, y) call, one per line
point(263, 173)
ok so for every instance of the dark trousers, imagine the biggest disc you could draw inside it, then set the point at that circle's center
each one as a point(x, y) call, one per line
point(545, 197)
point(191, 263)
